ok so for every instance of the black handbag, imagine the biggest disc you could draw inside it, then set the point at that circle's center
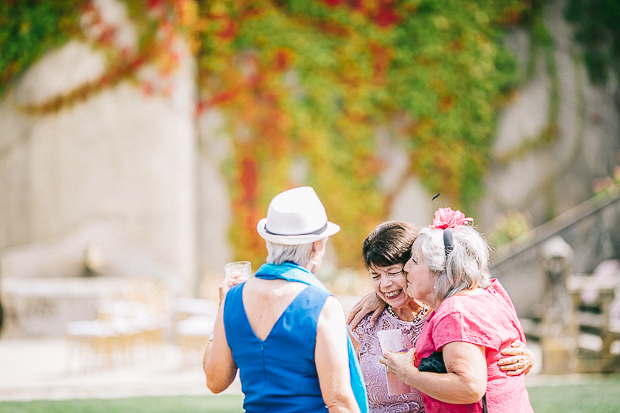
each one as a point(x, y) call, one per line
point(434, 363)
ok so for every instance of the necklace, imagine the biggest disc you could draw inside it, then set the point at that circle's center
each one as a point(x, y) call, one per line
point(422, 312)
point(392, 313)
point(417, 317)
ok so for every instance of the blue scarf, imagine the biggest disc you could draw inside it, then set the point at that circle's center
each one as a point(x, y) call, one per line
point(292, 272)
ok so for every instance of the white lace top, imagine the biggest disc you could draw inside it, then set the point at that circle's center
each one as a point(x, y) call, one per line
point(374, 372)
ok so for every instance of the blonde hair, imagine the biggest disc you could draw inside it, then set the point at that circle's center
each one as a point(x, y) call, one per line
point(465, 267)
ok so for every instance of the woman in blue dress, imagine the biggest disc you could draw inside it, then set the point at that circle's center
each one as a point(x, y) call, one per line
point(282, 330)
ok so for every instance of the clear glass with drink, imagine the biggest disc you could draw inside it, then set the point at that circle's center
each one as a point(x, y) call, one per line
point(237, 272)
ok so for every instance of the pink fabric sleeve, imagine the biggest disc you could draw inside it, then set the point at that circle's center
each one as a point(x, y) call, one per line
point(465, 327)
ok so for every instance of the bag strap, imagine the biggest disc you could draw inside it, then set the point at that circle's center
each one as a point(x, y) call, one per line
point(484, 404)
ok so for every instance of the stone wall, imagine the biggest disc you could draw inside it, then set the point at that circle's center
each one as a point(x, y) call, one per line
point(117, 171)
point(548, 181)
point(140, 180)
point(553, 178)
point(213, 203)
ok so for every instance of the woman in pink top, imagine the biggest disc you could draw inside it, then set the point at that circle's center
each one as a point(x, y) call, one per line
point(473, 322)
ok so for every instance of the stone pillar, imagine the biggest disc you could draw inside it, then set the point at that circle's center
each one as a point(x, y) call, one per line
point(558, 340)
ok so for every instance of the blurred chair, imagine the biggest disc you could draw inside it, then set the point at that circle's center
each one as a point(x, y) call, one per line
point(185, 307)
point(195, 318)
point(92, 342)
point(192, 336)
point(124, 327)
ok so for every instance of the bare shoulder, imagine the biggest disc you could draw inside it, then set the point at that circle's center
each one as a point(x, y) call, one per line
point(332, 309)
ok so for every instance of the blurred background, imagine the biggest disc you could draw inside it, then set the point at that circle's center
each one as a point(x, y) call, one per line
point(142, 140)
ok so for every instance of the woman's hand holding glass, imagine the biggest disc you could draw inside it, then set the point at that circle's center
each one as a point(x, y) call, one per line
point(399, 364)
point(236, 273)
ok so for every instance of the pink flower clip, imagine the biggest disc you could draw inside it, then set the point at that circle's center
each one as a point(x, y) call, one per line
point(447, 218)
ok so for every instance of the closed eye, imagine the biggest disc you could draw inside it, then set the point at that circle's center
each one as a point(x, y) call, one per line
point(394, 274)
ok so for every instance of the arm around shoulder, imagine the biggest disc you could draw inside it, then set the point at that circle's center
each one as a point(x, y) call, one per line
point(370, 303)
point(331, 357)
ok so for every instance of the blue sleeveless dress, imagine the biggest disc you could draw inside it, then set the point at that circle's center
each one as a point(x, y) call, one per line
point(279, 373)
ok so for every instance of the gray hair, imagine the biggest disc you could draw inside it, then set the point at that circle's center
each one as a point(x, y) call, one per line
point(464, 267)
point(299, 254)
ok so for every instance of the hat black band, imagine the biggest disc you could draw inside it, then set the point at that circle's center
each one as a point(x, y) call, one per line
point(317, 232)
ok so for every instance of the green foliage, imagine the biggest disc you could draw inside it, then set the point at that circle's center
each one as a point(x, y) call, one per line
point(29, 29)
point(449, 73)
point(440, 68)
point(597, 29)
point(313, 80)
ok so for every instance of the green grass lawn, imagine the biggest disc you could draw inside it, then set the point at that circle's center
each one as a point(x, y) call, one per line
point(600, 396)
point(596, 396)
point(171, 404)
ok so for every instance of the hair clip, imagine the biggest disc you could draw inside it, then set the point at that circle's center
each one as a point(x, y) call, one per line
point(447, 241)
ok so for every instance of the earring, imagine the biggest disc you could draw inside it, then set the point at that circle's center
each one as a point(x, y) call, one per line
point(315, 262)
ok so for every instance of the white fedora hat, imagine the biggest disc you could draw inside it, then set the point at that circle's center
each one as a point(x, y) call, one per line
point(295, 217)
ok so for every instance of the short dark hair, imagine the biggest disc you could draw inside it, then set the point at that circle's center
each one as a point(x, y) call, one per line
point(389, 244)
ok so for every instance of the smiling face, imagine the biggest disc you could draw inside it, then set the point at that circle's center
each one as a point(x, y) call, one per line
point(420, 281)
point(390, 284)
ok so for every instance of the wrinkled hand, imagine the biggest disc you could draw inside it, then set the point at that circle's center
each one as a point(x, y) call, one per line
point(399, 363)
point(519, 360)
point(370, 303)
point(229, 283)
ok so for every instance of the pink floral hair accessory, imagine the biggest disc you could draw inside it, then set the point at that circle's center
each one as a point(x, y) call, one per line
point(447, 218)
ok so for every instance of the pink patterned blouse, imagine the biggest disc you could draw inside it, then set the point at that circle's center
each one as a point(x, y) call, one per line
point(374, 372)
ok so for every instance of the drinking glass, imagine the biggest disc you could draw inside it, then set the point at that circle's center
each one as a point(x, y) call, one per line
point(238, 270)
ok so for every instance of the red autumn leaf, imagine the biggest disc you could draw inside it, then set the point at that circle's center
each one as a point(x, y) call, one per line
point(386, 16)
point(249, 179)
point(282, 59)
point(356, 4)
point(153, 3)
point(229, 31)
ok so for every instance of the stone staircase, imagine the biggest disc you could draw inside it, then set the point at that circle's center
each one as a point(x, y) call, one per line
point(564, 283)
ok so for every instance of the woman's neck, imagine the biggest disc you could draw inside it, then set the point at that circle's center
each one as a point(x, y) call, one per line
point(469, 291)
point(475, 290)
